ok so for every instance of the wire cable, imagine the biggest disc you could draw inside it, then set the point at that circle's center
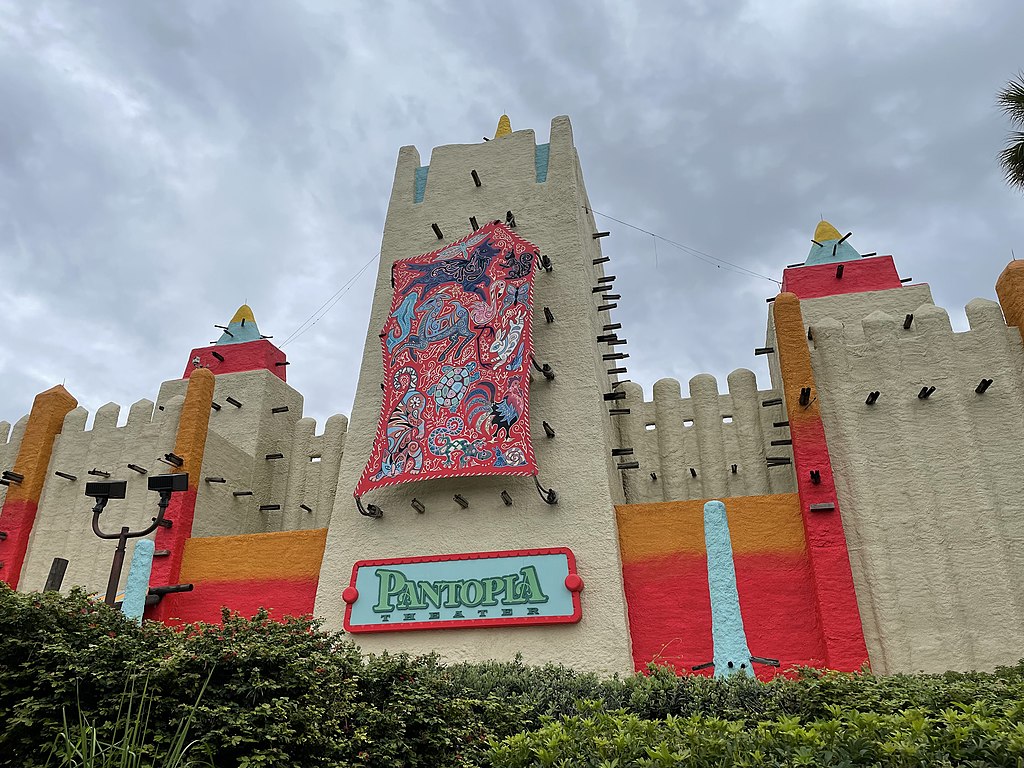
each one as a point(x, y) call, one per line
point(328, 305)
point(700, 255)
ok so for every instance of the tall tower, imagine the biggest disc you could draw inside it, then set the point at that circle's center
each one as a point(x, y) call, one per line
point(542, 186)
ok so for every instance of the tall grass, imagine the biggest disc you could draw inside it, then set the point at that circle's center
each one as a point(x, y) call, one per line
point(85, 744)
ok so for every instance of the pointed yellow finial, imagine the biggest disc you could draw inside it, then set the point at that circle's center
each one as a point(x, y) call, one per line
point(243, 313)
point(504, 127)
point(825, 231)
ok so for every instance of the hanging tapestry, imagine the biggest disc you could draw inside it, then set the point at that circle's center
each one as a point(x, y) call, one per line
point(457, 350)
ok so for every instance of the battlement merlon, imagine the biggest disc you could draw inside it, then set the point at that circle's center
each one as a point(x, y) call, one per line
point(507, 161)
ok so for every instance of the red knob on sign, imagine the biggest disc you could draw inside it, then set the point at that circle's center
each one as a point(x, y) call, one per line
point(350, 595)
point(574, 583)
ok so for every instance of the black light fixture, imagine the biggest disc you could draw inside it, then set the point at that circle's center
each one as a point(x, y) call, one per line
point(461, 501)
point(102, 492)
point(416, 503)
point(507, 498)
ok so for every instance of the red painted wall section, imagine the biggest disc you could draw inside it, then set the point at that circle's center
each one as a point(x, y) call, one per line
point(836, 598)
point(276, 571)
point(247, 356)
point(33, 461)
point(876, 273)
point(665, 573)
point(190, 445)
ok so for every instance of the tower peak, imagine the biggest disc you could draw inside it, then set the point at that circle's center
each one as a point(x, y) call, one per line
point(825, 231)
point(504, 127)
point(829, 247)
point(243, 313)
point(242, 328)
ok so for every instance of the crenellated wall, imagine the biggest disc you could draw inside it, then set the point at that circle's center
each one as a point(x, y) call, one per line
point(241, 438)
point(691, 444)
point(930, 489)
point(63, 521)
point(237, 444)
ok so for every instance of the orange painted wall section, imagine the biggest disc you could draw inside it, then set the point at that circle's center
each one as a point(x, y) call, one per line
point(19, 511)
point(665, 573)
point(829, 559)
point(276, 571)
point(1010, 290)
point(190, 445)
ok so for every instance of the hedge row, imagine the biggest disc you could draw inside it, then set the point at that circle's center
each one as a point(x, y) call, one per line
point(288, 694)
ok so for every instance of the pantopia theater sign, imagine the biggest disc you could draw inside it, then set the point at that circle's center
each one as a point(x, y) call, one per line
point(477, 589)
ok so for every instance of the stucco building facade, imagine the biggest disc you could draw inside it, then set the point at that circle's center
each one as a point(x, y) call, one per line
point(871, 512)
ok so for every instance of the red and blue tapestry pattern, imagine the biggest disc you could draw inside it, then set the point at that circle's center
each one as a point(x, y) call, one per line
point(457, 350)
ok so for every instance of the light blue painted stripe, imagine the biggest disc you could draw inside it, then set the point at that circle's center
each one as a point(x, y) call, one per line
point(134, 603)
point(822, 254)
point(421, 183)
point(540, 159)
point(239, 334)
point(730, 640)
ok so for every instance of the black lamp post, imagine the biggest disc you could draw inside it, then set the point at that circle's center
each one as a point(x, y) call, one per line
point(103, 492)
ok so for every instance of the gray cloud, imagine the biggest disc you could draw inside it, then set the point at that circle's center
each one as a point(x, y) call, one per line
point(162, 163)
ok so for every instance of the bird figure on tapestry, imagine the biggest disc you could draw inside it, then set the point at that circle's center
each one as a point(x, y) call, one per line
point(505, 343)
point(482, 312)
point(405, 427)
point(482, 405)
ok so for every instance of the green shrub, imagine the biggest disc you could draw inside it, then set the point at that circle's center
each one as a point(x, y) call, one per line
point(972, 735)
point(289, 694)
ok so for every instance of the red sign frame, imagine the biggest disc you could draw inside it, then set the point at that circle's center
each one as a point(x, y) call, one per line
point(573, 583)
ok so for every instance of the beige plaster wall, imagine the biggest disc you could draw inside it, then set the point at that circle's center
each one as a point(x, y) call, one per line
point(64, 517)
point(708, 432)
point(237, 445)
point(930, 490)
point(577, 462)
point(239, 441)
point(848, 310)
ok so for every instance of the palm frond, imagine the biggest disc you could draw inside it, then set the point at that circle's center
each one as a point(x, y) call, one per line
point(1012, 159)
point(1011, 99)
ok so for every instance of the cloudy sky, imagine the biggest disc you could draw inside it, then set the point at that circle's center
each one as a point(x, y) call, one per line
point(161, 163)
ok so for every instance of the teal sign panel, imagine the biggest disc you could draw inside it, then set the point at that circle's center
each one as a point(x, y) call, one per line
point(477, 589)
